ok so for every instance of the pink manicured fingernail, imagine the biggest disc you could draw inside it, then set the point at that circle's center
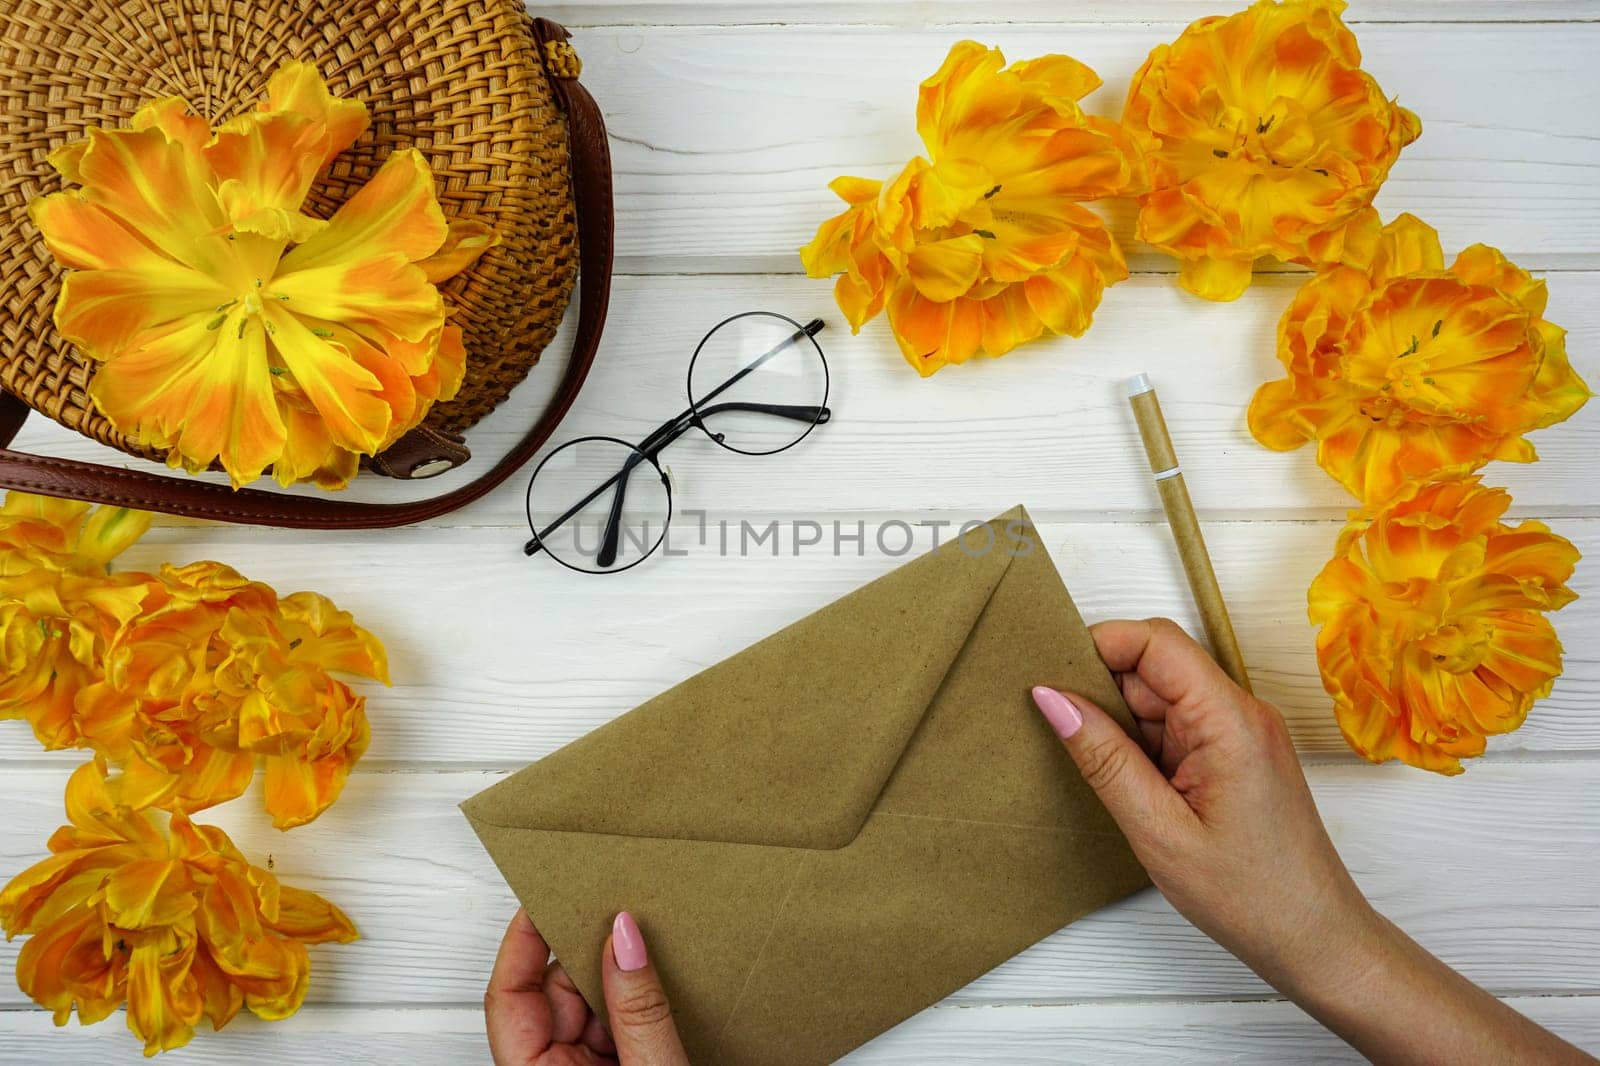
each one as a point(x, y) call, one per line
point(627, 943)
point(1058, 711)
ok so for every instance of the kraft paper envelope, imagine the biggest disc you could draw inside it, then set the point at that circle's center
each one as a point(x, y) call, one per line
point(839, 825)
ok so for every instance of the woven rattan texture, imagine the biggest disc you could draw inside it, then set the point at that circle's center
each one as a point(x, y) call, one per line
point(460, 80)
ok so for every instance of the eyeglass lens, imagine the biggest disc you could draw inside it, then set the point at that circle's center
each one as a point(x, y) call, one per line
point(758, 383)
point(597, 504)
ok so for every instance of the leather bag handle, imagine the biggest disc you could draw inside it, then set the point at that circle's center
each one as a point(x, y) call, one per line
point(590, 161)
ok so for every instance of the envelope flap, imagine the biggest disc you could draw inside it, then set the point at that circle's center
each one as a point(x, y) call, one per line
point(790, 741)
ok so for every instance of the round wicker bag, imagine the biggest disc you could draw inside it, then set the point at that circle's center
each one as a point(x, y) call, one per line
point(488, 95)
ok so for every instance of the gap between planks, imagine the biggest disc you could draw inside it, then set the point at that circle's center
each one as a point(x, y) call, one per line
point(908, 14)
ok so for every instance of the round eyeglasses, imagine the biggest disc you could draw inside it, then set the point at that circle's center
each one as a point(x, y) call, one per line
point(757, 385)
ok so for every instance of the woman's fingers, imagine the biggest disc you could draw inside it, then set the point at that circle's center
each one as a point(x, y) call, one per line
point(515, 1009)
point(523, 956)
point(569, 1012)
point(1138, 797)
point(597, 1038)
point(1168, 660)
point(641, 1019)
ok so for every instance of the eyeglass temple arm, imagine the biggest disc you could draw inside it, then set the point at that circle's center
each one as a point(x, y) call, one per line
point(797, 412)
point(608, 546)
point(650, 447)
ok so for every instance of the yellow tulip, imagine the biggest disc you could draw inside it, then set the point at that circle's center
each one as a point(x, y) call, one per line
point(217, 674)
point(1264, 138)
point(1434, 635)
point(188, 679)
point(60, 607)
point(983, 245)
point(175, 924)
point(1405, 369)
point(229, 326)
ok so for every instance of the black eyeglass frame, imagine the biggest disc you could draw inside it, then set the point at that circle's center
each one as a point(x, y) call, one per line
point(649, 449)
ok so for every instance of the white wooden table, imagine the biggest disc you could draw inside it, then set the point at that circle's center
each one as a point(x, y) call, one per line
point(727, 119)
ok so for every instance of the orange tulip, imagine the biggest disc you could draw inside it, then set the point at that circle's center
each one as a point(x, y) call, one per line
point(217, 674)
point(984, 245)
point(1434, 635)
point(1407, 370)
point(1264, 138)
point(231, 327)
point(188, 679)
point(177, 925)
point(59, 606)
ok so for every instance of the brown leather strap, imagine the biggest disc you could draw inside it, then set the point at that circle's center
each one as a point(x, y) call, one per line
point(590, 159)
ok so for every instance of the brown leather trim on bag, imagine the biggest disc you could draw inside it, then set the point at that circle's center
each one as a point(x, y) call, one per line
point(423, 452)
point(590, 157)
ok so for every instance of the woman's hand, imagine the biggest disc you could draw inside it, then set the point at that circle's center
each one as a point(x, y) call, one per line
point(537, 1017)
point(1219, 812)
point(1216, 807)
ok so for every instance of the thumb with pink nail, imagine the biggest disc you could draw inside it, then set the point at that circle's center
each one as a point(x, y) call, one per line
point(1111, 761)
point(641, 1018)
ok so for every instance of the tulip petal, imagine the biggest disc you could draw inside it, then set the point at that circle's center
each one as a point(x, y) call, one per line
point(86, 236)
point(171, 115)
point(944, 270)
point(1065, 299)
point(298, 790)
point(855, 191)
point(309, 918)
point(338, 387)
point(393, 214)
point(152, 892)
point(106, 312)
point(110, 531)
point(466, 240)
point(298, 88)
point(157, 189)
point(42, 969)
point(330, 637)
point(206, 392)
point(163, 1001)
point(1216, 279)
point(1408, 246)
point(386, 289)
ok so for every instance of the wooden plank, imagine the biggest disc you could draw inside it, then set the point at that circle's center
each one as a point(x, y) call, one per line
point(507, 660)
point(1048, 424)
point(921, 13)
point(1031, 1036)
point(724, 139)
point(1493, 872)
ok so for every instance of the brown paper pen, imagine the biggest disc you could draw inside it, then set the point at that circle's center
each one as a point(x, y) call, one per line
point(1186, 528)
